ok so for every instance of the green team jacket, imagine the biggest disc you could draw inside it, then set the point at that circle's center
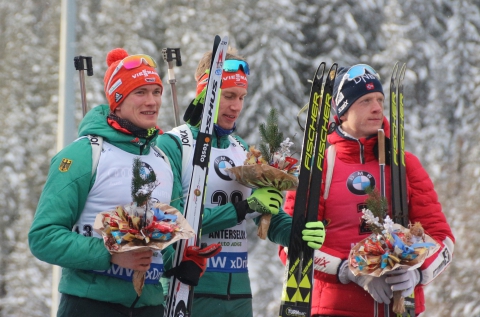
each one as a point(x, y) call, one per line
point(63, 198)
point(222, 285)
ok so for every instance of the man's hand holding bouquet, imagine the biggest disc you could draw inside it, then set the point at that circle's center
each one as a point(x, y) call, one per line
point(270, 170)
point(143, 224)
point(392, 251)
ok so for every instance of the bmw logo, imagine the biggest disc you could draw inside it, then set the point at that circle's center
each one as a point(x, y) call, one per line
point(358, 181)
point(145, 170)
point(221, 163)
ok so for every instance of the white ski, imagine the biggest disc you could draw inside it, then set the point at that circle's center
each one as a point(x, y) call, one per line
point(180, 296)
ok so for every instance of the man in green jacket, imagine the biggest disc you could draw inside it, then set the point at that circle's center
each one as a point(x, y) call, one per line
point(224, 289)
point(94, 282)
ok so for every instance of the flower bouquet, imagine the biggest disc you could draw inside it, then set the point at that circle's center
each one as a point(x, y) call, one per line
point(142, 224)
point(269, 166)
point(389, 247)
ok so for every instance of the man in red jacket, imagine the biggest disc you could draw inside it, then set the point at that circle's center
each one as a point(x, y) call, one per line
point(358, 101)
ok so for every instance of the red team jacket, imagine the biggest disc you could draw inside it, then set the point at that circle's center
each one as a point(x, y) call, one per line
point(356, 168)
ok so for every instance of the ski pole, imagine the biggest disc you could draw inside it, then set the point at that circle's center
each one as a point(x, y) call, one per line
point(80, 62)
point(304, 108)
point(381, 160)
point(170, 54)
point(381, 163)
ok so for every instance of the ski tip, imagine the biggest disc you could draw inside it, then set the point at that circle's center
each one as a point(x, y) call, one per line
point(402, 72)
point(219, 40)
point(394, 72)
point(216, 43)
point(332, 73)
point(319, 72)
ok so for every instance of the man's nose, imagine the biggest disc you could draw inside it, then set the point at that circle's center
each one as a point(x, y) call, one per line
point(236, 104)
point(378, 105)
point(151, 99)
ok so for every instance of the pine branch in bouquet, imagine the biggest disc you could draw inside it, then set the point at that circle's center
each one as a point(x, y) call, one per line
point(268, 166)
point(378, 207)
point(143, 183)
point(271, 136)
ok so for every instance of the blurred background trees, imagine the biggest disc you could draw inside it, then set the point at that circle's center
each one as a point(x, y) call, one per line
point(283, 41)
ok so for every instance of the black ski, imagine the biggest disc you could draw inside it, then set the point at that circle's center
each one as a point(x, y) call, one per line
point(397, 163)
point(298, 279)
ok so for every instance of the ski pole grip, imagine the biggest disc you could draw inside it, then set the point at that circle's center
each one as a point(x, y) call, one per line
point(381, 161)
point(170, 54)
point(381, 147)
point(89, 66)
point(79, 62)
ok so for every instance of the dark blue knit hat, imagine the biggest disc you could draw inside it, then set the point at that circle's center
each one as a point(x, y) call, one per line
point(353, 83)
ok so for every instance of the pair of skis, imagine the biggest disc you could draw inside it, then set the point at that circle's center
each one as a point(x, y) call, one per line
point(397, 163)
point(298, 279)
point(397, 166)
point(180, 295)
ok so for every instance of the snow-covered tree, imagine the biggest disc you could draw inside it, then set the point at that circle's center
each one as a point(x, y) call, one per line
point(283, 41)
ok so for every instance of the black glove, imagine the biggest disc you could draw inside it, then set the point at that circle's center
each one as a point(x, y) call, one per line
point(193, 114)
point(194, 264)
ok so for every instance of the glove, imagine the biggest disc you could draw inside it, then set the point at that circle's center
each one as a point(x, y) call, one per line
point(375, 286)
point(315, 236)
point(194, 264)
point(403, 280)
point(265, 200)
point(193, 114)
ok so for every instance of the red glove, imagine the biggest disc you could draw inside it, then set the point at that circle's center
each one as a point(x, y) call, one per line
point(194, 263)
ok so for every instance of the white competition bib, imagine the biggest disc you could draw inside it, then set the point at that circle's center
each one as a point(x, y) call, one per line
point(112, 188)
point(221, 189)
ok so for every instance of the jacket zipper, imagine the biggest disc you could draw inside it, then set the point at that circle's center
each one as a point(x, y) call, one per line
point(147, 142)
point(229, 285)
point(362, 155)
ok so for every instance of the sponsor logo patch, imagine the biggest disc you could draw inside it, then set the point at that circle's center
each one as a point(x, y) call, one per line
point(345, 104)
point(358, 181)
point(115, 86)
point(65, 165)
point(118, 97)
point(221, 163)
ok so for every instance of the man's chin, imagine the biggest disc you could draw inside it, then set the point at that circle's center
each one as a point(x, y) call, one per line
point(225, 126)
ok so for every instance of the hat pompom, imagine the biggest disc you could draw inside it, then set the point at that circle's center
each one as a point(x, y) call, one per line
point(117, 54)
